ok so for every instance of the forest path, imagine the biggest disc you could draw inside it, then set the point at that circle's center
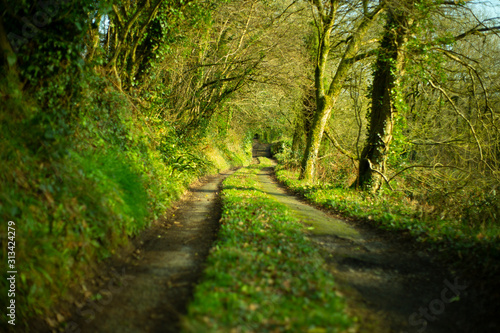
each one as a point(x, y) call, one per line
point(388, 285)
point(150, 290)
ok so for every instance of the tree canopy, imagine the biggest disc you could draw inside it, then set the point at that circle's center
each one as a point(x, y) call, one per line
point(110, 108)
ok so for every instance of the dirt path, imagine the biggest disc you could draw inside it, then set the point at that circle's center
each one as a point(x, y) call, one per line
point(150, 290)
point(389, 284)
point(260, 150)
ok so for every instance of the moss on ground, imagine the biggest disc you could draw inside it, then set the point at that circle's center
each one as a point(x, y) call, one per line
point(263, 274)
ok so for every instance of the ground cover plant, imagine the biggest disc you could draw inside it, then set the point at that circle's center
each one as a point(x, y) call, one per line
point(78, 195)
point(263, 274)
point(393, 210)
point(109, 109)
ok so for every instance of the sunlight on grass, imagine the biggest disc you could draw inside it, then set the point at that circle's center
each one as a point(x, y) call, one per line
point(393, 211)
point(263, 274)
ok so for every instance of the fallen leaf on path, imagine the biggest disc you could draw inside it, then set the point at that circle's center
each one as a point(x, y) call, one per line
point(253, 307)
point(59, 317)
point(51, 322)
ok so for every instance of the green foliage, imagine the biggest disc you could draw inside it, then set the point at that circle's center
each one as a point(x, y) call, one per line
point(69, 208)
point(263, 274)
point(176, 153)
point(395, 211)
point(399, 144)
point(282, 152)
point(156, 32)
point(482, 211)
point(79, 177)
point(281, 149)
point(111, 171)
point(47, 36)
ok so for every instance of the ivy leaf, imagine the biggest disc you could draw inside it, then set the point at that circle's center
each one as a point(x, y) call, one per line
point(11, 59)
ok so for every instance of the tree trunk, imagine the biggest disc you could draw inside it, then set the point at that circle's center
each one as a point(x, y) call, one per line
point(314, 139)
point(297, 136)
point(303, 122)
point(7, 55)
point(325, 99)
point(93, 39)
point(390, 60)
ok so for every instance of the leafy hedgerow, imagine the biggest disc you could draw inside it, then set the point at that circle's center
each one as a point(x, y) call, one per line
point(263, 274)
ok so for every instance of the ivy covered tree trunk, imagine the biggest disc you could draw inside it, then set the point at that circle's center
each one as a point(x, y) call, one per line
point(389, 65)
point(303, 123)
point(314, 138)
point(325, 23)
point(326, 96)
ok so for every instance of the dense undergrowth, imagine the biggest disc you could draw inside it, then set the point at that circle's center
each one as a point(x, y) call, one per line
point(459, 239)
point(263, 274)
point(81, 176)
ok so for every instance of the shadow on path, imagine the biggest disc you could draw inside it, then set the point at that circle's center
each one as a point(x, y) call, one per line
point(388, 285)
point(150, 290)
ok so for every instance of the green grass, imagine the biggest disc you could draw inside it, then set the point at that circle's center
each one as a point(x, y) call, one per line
point(114, 173)
point(456, 241)
point(77, 197)
point(263, 274)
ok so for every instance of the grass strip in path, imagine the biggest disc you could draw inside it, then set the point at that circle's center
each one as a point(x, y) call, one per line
point(263, 274)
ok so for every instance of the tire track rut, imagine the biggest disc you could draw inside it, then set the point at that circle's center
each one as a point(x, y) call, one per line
point(389, 284)
point(150, 290)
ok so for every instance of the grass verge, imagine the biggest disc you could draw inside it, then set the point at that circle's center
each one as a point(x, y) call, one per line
point(76, 194)
point(263, 274)
point(478, 246)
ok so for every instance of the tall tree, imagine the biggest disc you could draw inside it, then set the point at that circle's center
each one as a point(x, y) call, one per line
point(388, 70)
point(386, 94)
point(328, 91)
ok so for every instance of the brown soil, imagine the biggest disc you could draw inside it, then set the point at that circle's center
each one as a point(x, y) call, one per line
point(390, 283)
point(148, 291)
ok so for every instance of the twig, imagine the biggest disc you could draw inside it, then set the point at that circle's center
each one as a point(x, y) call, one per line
point(461, 115)
point(337, 145)
point(380, 173)
point(437, 165)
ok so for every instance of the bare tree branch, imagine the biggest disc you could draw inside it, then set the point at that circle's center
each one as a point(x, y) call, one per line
point(461, 115)
point(337, 145)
